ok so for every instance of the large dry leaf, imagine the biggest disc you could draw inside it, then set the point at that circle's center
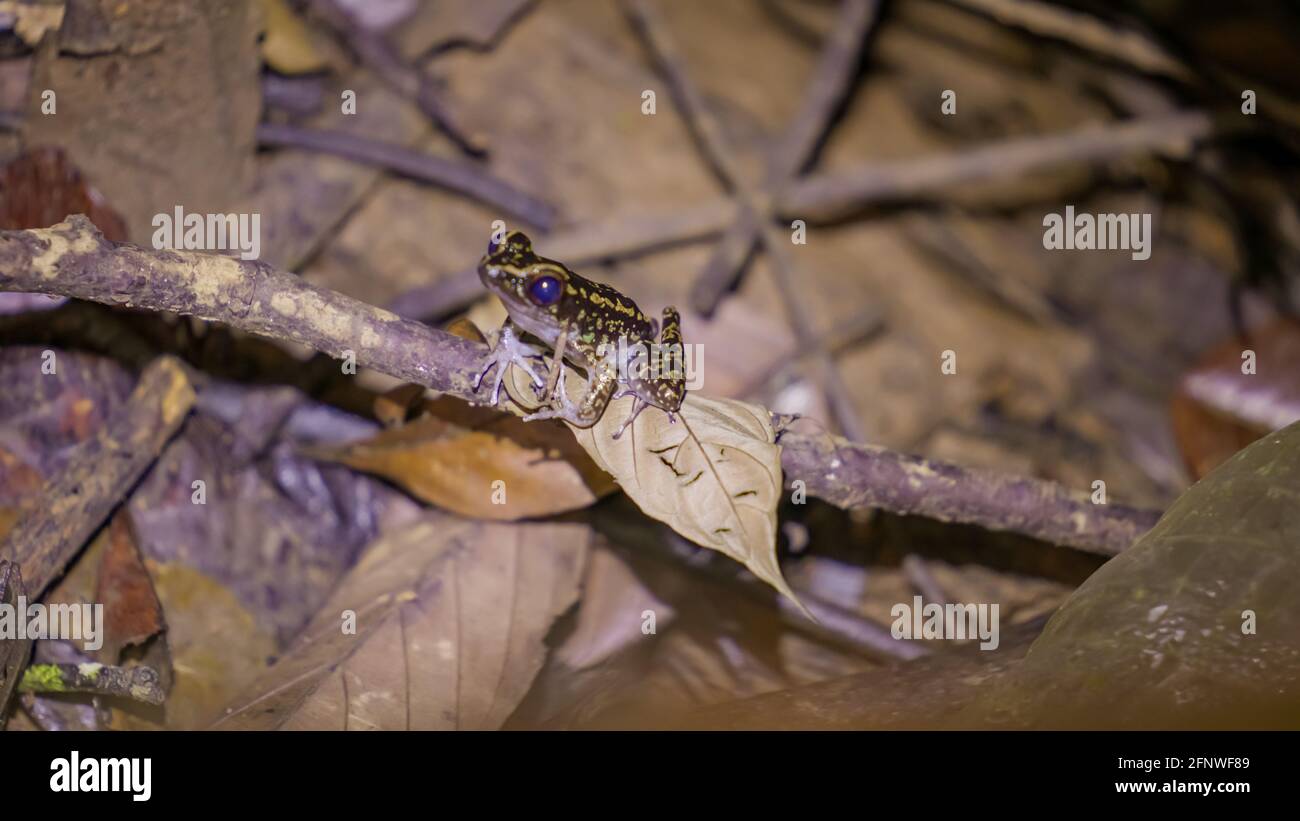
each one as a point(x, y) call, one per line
point(713, 475)
point(451, 618)
point(455, 459)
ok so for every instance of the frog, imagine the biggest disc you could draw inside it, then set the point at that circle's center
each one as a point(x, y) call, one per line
point(590, 325)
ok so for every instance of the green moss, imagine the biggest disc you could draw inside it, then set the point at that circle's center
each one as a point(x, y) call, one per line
point(42, 678)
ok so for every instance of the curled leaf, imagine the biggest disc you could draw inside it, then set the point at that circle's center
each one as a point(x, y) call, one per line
point(713, 475)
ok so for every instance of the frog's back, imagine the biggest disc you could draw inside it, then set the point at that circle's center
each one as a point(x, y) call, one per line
point(598, 306)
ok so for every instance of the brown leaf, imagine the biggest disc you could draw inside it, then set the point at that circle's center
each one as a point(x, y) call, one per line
point(453, 459)
point(465, 329)
point(714, 475)
point(450, 621)
point(165, 64)
point(612, 616)
point(394, 407)
point(132, 612)
point(41, 187)
point(216, 644)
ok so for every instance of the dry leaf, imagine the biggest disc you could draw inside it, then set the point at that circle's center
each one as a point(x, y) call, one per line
point(714, 475)
point(465, 328)
point(132, 612)
point(217, 646)
point(393, 408)
point(450, 622)
point(614, 602)
point(288, 46)
point(42, 187)
point(453, 460)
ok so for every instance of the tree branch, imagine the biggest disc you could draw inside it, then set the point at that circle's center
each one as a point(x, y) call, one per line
point(73, 259)
point(138, 683)
point(854, 475)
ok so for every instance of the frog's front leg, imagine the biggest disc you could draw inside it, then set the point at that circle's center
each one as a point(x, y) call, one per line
point(508, 351)
point(602, 379)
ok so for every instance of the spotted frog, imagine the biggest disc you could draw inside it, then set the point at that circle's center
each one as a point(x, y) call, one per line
point(589, 324)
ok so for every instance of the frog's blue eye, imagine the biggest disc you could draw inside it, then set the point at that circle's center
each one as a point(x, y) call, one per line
point(493, 244)
point(545, 290)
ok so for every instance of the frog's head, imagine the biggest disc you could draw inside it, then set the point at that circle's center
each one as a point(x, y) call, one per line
point(525, 282)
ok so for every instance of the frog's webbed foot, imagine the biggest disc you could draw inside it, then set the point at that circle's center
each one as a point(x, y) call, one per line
point(566, 409)
point(508, 351)
point(638, 405)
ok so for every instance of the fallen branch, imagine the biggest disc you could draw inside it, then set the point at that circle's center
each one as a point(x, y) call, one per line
point(450, 174)
point(102, 470)
point(854, 475)
point(830, 196)
point(73, 259)
point(137, 683)
point(377, 53)
point(13, 652)
point(1082, 30)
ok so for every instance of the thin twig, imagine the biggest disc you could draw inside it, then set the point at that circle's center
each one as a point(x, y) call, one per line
point(831, 80)
point(830, 83)
point(830, 196)
point(1082, 30)
point(824, 368)
point(137, 683)
point(700, 119)
point(102, 470)
point(73, 259)
point(455, 176)
point(377, 53)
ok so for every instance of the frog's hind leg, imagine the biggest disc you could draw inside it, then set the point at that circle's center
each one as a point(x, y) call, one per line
point(584, 414)
point(638, 405)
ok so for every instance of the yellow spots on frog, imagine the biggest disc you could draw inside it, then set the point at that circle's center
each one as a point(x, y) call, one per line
point(617, 305)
